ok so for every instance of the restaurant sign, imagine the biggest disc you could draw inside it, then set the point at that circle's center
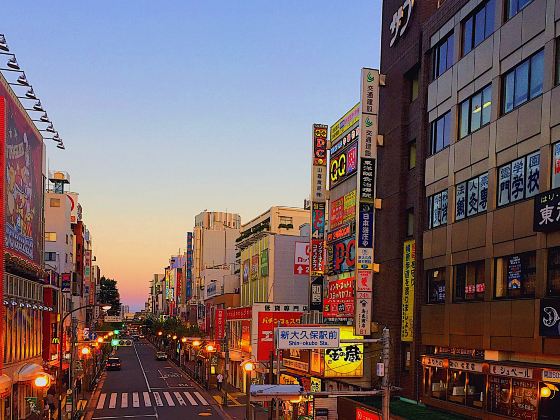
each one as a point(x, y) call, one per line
point(550, 318)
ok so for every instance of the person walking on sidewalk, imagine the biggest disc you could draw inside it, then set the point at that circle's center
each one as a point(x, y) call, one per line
point(220, 379)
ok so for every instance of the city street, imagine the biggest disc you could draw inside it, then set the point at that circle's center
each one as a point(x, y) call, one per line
point(146, 388)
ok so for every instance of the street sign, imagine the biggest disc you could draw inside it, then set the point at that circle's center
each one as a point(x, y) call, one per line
point(112, 318)
point(319, 337)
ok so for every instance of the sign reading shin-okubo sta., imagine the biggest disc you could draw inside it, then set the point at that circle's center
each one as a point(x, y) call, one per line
point(308, 337)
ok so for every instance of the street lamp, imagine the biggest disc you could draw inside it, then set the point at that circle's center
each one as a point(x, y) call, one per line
point(85, 351)
point(103, 306)
point(248, 367)
point(42, 381)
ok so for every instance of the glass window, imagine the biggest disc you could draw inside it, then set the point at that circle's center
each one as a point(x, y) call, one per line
point(516, 275)
point(524, 82)
point(513, 7)
point(440, 133)
point(437, 209)
point(554, 271)
point(474, 112)
point(471, 197)
point(435, 379)
point(470, 281)
point(478, 26)
point(50, 236)
point(412, 154)
point(436, 285)
point(443, 56)
point(55, 202)
point(476, 389)
point(519, 179)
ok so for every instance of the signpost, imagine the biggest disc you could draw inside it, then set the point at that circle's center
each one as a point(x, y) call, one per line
point(308, 337)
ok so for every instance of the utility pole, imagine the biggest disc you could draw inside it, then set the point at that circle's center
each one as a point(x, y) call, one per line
point(277, 416)
point(271, 380)
point(226, 370)
point(385, 382)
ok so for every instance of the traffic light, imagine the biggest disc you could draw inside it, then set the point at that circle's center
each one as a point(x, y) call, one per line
point(117, 332)
point(115, 342)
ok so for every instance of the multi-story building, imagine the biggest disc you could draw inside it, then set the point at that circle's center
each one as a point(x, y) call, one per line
point(468, 179)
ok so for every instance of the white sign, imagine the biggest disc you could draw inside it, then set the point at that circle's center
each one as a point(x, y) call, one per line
point(301, 258)
point(362, 316)
point(364, 258)
point(511, 371)
point(364, 281)
point(381, 369)
point(400, 21)
point(549, 375)
point(112, 318)
point(308, 337)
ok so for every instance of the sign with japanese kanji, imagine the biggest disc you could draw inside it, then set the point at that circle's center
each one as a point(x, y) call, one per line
point(347, 360)
point(546, 214)
point(511, 371)
point(320, 144)
point(316, 337)
point(367, 179)
point(339, 301)
point(220, 324)
point(365, 236)
point(409, 274)
point(267, 321)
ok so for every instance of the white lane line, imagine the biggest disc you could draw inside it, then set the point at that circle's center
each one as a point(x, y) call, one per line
point(147, 401)
point(190, 398)
point(135, 399)
point(124, 400)
point(179, 398)
point(142, 367)
point(202, 400)
point(101, 401)
point(170, 401)
point(113, 400)
point(157, 397)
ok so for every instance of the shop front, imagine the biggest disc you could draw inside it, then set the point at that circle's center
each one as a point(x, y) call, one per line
point(489, 389)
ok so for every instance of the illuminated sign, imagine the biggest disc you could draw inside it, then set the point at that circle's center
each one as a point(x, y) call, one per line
point(343, 124)
point(320, 144)
point(341, 256)
point(341, 232)
point(400, 20)
point(337, 212)
point(339, 302)
point(409, 273)
point(349, 206)
point(343, 165)
point(345, 361)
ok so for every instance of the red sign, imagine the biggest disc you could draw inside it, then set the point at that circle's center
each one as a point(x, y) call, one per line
point(267, 321)
point(220, 324)
point(340, 233)
point(320, 144)
point(239, 313)
point(317, 256)
point(246, 336)
point(337, 213)
point(362, 414)
point(2, 213)
point(339, 302)
point(301, 258)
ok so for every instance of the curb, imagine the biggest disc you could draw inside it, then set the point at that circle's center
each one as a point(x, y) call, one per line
point(90, 409)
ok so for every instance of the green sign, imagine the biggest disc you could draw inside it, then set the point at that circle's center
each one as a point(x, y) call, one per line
point(264, 263)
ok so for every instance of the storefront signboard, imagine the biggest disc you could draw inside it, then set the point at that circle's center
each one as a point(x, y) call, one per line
point(318, 183)
point(320, 144)
point(337, 212)
point(349, 206)
point(341, 256)
point(550, 317)
point(315, 384)
point(367, 179)
point(343, 164)
point(239, 313)
point(549, 375)
point(318, 221)
point(317, 294)
point(432, 361)
point(409, 272)
point(511, 371)
point(296, 359)
point(347, 360)
point(344, 124)
point(465, 365)
point(304, 337)
point(365, 237)
point(546, 211)
point(339, 302)
point(400, 20)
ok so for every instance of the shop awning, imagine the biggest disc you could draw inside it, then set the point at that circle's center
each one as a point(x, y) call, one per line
point(5, 384)
point(28, 372)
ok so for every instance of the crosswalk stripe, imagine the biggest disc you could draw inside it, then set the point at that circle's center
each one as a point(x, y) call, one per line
point(101, 401)
point(157, 397)
point(202, 400)
point(124, 400)
point(179, 398)
point(113, 400)
point(190, 398)
point(167, 396)
point(135, 399)
point(147, 401)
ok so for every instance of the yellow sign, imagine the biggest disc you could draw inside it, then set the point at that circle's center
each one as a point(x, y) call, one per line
point(315, 384)
point(349, 206)
point(347, 361)
point(409, 273)
point(343, 124)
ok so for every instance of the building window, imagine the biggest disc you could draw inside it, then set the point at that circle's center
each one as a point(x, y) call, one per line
point(474, 112)
point(436, 285)
point(470, 281)
point(471, 197)
point(437, 209)
point(50, 236)
point(412, 154)
point(554, 271)
point(55, 202)
point(406, 356)
point(516, 275)
point(513, 7)
point(478, 26)
point(556, 165)
point(410, 222)
point(523, 83)
point(440, 133)
point(412, 77)
point(519, 179)
point(286, 222)
point(513, 398)
point(443, 55)
point(50, 256)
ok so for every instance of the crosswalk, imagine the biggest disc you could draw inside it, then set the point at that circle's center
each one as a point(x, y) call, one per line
point(116, 400)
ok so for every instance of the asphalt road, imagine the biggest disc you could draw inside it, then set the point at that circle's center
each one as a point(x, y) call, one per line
point(146, 388)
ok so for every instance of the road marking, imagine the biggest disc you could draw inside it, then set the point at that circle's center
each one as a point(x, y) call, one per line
point(113, 400)
point(142, 367)
point(179, 398)
point(170, 402)
point(124, 417)
point(147, 401)
point(157, 397)
point(202, 400)
point(190, 398)
point(135, 399)
point(124, 400)
point(101, 401)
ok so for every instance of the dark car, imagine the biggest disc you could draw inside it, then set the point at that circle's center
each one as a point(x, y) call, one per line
point(160, 355)
point(113, 363)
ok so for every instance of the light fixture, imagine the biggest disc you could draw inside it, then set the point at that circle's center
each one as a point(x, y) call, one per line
point(50, 128)
point(13, 64)
point(159, 333)
point(85, 351)
point(105, 307)
point(174, 337)
point(196, 343)
point(249, 366)
point(22, 80)
point(3, 43)
point(545, 392)
point(42, 381)
point(100, 340)
point(184, 339)
point(30, 93)
point(38, 107)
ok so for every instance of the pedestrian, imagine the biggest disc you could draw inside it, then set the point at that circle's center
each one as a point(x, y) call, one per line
point(220, 379)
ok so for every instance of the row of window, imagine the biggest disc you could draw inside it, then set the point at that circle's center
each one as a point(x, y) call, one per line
point(517, 180)
point(475, 28)
point(519, 85)
point(515, 277)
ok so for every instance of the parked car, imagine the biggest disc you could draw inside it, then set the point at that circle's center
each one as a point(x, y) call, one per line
point(113, 363)
point(160, 355)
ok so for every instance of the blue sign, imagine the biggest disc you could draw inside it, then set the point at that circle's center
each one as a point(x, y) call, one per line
point(365, 236)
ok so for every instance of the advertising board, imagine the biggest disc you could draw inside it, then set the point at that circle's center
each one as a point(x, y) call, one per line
point(316, 303)
point(220, 324)
point(409, 273)
point(319, 183)
point(345, 123)
point(264, 263)
point(349, 207)
point(245, 271)
point(317, 257)
point(367, 179)
point(301, 258)
point(23, 182)
point(254, 267)
point(345, 361)
point(320, 144)
point(267, 321)
point(339, 300)
point(343, 164)
point(337, 212)
point(318, 221)
point(341, 256)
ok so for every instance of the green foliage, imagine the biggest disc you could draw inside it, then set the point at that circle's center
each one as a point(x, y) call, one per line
point(109, 293)
point(172, 326)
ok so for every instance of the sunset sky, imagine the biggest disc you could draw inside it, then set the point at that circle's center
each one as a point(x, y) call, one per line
point(168, 108)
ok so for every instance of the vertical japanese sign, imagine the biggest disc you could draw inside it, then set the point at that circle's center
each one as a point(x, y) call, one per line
point(364, 300)
point(2, 217)
point(267, 321)
point(220, 324)
point(369, 106)
point(317, 257)
point(409, 273)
